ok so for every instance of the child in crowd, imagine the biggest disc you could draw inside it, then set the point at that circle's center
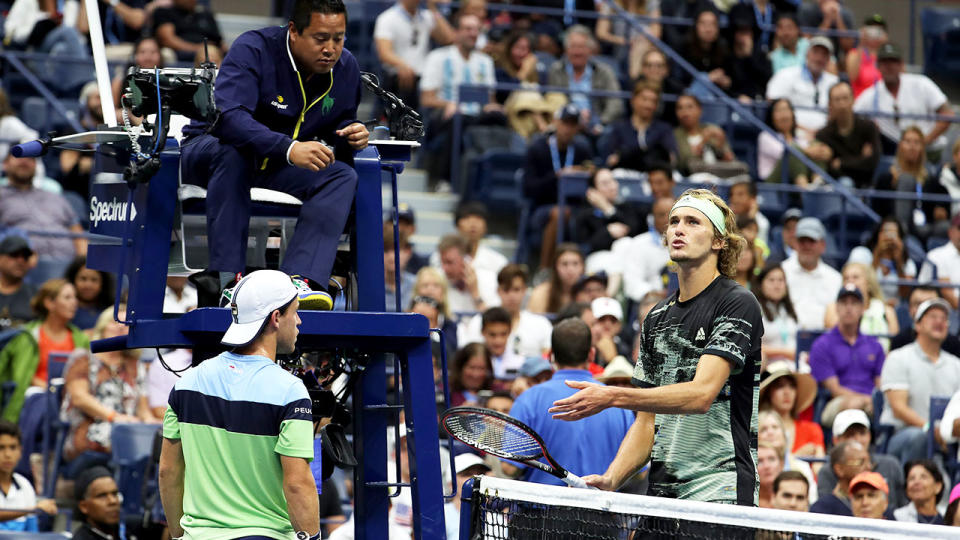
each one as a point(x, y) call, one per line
point(18, 500)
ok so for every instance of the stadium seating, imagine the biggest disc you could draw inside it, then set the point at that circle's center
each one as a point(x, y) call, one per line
point(941, 41)
point(131, 449)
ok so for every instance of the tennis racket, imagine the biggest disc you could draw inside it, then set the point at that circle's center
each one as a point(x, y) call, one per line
point(505, 437)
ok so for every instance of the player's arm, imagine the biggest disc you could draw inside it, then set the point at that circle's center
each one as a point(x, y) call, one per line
point(171, 472)
point(634, 452)
point(300, 490)
point(236, 94)
point(694, 397)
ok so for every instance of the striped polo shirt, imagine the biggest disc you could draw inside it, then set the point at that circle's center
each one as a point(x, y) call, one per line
point(235, 416)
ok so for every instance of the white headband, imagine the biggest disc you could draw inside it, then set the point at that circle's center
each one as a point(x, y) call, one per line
point(707, 208)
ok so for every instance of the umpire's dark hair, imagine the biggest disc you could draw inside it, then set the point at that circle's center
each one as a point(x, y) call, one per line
point(9, 428)
point(495, 315)
point(787, 476)
point(303, 10)
point(571, 342)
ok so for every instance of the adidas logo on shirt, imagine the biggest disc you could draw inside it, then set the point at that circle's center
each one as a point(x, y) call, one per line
point(700, 335)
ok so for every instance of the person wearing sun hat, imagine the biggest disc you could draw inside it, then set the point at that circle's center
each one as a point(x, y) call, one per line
point(914, 373)
point(787, 392)
point(240, 411)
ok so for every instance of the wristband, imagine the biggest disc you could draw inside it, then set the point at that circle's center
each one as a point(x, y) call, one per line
point(926, 426)
point(303, 535)
point(113, 3)
point(111, 415)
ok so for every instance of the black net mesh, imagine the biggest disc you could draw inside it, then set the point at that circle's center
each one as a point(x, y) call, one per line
point(495, 517)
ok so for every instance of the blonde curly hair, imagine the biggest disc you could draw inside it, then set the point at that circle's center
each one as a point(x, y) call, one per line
point(733, 242)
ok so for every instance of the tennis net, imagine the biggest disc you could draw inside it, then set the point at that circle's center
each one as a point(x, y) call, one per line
point(496, 509)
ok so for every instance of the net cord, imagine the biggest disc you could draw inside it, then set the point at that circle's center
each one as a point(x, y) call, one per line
point(740, 516)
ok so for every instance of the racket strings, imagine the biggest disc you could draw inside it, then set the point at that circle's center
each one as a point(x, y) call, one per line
point(493, 435)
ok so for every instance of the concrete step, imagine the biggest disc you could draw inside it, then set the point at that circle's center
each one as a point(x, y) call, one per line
point(422, 202)
point(413, 180)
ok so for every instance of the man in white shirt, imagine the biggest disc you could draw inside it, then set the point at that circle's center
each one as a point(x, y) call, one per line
point(529, 332)
point(402, 37)
point(471, 289)
point(180, 296)
point(643, 257)
point(905, 93)
point(496, 326)
point(944, 262)
point(471, 222)
point(807, 86)
point(913, 374)
point(813, 283)
point(445, 69)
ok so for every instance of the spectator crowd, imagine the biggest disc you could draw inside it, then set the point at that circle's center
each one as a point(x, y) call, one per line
point(860, 374)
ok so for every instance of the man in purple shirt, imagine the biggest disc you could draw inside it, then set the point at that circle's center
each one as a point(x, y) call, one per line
point(846, 362)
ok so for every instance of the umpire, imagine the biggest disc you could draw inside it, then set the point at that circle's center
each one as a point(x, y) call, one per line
point(238, 431)
point(288, 99)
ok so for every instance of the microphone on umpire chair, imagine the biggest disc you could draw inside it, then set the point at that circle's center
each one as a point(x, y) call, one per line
point(35, 148)
point(405, 123)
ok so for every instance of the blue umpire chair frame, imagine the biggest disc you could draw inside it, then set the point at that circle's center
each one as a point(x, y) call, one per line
point(136, 245)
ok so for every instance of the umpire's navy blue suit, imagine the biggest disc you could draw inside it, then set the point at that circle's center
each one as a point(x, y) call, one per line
point(263, 110)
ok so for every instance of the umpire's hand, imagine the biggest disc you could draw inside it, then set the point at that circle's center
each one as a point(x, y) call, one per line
point(311, 155)
point(356, 135)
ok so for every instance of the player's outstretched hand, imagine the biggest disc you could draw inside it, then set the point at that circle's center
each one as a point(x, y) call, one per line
point(599, 481)
point(311, 155)
point(591, 399)
point(356, 135)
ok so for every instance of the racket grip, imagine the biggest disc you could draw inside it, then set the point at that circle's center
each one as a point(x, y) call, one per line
point(573, 480)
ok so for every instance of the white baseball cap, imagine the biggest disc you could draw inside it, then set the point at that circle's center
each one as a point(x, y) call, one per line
point(847, 418)
point(604, 306)
point(466, 460)
point(254, 298)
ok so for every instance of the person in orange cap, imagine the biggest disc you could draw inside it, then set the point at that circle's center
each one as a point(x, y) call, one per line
point(869, 495)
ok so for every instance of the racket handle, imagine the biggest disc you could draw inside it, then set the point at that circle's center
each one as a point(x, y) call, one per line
point(573, 480)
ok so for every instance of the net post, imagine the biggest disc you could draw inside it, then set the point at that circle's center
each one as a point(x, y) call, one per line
point(466, 507)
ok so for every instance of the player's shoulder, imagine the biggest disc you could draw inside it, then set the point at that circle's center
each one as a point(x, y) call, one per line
point(729, 292)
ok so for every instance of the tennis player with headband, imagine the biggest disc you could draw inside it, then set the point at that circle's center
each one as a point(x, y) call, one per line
point(288, 100)
point(696, 374)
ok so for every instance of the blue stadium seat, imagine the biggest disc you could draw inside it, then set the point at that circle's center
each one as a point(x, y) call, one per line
point(941, 40)
point(632, 190)
point(772, 201)
point(55, 429)
point(37, 113)
point(131, 449)
point(881, 432)
point(497, 180)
